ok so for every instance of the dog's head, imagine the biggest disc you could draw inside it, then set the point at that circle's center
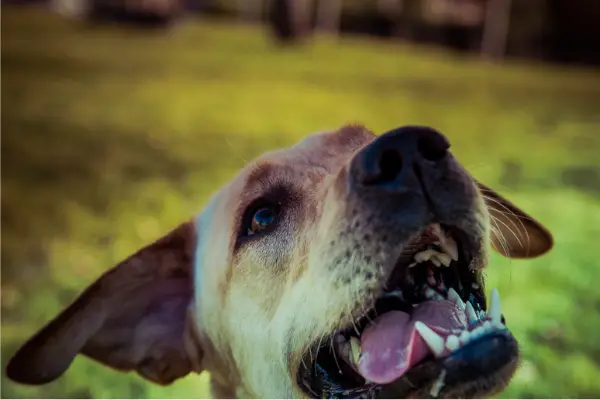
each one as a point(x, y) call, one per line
point(348, 265)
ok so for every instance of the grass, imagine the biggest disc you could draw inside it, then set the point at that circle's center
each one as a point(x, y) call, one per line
point(111, 136)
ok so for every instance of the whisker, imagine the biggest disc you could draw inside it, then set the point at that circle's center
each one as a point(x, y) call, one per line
point(333, 350)
point(517, 217)
point(510, 230)
point(498, 233)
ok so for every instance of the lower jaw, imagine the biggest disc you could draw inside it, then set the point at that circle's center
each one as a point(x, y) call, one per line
point(481, 368)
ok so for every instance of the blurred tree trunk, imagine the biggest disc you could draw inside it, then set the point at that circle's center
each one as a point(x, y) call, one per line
point(290, 19)
point(329, 15)
point(496, 25)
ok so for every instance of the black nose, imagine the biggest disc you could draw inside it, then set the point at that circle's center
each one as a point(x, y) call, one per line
point(395, 159)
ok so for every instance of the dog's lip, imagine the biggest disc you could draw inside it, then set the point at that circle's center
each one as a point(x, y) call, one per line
point(482, 365)
point(445, 378)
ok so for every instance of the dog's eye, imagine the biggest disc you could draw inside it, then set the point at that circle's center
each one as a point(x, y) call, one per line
point(261, 218)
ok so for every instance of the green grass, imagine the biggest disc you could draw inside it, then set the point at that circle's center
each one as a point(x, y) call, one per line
point(112, 136)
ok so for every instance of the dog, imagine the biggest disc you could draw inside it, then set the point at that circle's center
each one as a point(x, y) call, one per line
point(346, 266)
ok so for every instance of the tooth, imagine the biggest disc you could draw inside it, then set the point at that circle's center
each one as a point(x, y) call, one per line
point(452, 343)
point(444, 259)
point(412, 264)
point(454, 297)
point(477, 332)
point(424, 255)
point(429, 293)
point(435, 260)
point(464, 337)
point(470, 311)
point(433, 340)
point(432, 294)
point(420, 256)
point(449, 245)
point(354, 350)
point(487, 325)
point(494, 311)
point(481, 314)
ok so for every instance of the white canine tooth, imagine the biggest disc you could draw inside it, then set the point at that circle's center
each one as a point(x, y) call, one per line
point(464, 337)
point(454, 297)
point(412, 264)
point(433, 340)
point(444, 259)
point(354, 350)
point(435, 260)
point(494, 311)
point(470, 311)
point(452, 343)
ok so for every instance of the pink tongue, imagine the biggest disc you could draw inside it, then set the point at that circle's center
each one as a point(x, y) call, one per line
point(391, 345)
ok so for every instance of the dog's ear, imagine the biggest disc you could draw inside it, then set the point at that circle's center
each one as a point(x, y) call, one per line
point(134, 317)
point(514, 233)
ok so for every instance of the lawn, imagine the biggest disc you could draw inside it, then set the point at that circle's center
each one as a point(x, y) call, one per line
point(112, 136)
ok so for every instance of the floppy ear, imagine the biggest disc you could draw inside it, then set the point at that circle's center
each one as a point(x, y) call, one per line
point(132, 318)
point(514, 233)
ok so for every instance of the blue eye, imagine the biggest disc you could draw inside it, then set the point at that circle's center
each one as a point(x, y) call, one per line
point(262, 219)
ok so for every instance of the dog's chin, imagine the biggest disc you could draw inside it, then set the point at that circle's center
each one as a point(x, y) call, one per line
point(429, 333)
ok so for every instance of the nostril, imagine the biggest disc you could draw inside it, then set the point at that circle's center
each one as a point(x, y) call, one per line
point(433, 147)
point(390, 165)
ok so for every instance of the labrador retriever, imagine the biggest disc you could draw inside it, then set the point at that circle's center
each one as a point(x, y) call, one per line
point(347, 266)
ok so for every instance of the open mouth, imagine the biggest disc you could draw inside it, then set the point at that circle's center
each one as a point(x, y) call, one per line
point(431, 310)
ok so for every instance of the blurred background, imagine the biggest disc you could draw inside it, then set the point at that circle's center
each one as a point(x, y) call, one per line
point(121, 117)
